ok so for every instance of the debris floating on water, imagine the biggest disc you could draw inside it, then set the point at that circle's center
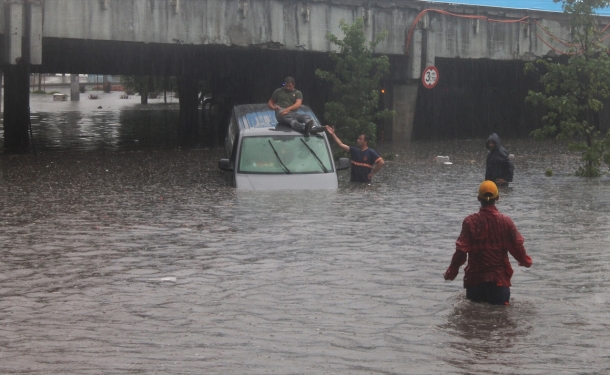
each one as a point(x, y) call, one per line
point(162, 279)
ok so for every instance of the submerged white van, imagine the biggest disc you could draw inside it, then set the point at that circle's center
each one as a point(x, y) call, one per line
point(263, 155)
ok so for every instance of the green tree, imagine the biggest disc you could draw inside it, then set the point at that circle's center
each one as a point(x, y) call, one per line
point(147, 85)
point(574, 88)
point(355, 82)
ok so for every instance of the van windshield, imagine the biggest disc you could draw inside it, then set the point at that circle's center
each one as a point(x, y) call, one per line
point(284, 155)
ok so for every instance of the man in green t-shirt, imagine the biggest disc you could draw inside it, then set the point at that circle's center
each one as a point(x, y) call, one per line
point(285, 101)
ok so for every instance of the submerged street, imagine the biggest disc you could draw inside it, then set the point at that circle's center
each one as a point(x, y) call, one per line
point(123, 254)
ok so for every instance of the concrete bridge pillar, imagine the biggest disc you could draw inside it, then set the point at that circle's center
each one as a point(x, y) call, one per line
point(17, 107)
point(188, 122)
point(421, 55)
point(74, 88)
point(405, 99)
point(23, 46)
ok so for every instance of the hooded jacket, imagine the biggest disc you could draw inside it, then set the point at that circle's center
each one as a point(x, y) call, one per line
point(498, 164)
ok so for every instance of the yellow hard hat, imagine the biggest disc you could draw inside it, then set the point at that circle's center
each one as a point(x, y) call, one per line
point(488, 190)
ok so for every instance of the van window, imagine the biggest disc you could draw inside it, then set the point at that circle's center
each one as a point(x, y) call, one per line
point(284, 155)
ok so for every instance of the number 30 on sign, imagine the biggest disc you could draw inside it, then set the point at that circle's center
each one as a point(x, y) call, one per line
point(430, 77)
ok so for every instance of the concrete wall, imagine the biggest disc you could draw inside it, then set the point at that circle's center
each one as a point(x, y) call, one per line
point(300, 25)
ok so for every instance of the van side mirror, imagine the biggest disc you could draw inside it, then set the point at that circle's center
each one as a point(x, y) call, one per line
point(225, 165)
point(343, 164)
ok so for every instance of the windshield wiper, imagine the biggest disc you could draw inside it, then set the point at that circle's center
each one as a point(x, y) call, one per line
point(315, 155)
point(278, 157)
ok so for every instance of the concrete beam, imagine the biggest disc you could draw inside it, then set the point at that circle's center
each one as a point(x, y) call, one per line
point(13, 13)
point(294, 25)
point(414, 67)
point(290, 24)
point(35, 32)
point(429, 49)
point(23, 21)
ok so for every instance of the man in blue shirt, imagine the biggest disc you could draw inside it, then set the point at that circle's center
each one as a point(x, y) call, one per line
point(365, 161)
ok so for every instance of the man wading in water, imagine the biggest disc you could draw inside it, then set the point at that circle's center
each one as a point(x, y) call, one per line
point(498, 167)
point(365, 161)
point(486, 239)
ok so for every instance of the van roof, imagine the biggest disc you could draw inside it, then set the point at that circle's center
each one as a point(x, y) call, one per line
point(259, 116)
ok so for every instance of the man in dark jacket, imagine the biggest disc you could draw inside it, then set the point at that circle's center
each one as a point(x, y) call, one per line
point(499, 167)
point(486, 239)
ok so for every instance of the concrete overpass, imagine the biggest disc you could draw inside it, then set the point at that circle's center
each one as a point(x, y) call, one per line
point(245, 47)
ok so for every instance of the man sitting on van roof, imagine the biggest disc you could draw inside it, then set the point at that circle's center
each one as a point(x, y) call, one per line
point(285, 101)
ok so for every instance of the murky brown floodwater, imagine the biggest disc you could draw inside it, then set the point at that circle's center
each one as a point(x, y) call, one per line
point(122, 259)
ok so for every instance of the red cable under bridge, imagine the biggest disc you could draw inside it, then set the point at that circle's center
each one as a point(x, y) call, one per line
point(572, 48)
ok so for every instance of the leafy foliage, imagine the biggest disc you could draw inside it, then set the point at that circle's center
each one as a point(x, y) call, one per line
point(575, 89)
point(147, 85)
point(355, 81)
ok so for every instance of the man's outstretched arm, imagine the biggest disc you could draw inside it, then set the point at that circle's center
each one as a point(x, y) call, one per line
point(341, 145)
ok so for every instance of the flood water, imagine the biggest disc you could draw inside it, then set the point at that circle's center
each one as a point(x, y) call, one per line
point(123, 254)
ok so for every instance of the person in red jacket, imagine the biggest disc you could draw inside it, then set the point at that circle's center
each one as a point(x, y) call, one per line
point(486, 239)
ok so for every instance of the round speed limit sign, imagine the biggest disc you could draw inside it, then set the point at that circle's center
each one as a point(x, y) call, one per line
point(430, 77)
